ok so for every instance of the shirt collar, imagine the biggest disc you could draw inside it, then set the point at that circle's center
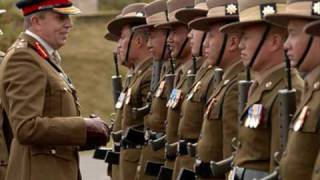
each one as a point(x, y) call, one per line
point(265, 74)
point(49, 49)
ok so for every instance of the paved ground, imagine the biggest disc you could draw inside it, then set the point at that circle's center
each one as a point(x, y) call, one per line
point(92, 169)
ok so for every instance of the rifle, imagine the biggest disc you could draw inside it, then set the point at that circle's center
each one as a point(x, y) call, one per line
point(287, 99)
point(218, 74)
point(192, 74)
point(244, 86)
point(116, 80)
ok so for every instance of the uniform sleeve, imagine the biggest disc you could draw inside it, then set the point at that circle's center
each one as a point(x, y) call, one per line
point(24, 87)
point(230, 119)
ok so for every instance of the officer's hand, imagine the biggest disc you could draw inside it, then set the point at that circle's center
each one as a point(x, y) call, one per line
point(98, 133)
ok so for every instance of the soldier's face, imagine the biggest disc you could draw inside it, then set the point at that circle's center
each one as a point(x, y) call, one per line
point(250, 38)
point(213, 43)
point(123, 43)
point(195, 37)
point(156, 43)
point(54, 28)
point(296, 44)
point(177, 37)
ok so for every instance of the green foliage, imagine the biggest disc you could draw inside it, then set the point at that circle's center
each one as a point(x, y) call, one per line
point(11, 23)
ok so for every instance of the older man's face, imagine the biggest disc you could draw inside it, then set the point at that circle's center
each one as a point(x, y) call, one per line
point(54, 28)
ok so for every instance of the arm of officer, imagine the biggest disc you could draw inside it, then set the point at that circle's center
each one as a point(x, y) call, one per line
point(230, 119)
point(24, 85)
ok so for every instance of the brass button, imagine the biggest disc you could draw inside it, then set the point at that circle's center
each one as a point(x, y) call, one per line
point(268, 84)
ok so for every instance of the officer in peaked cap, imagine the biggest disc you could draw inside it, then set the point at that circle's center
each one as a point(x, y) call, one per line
point(40, 101)
point(262, 51)
point(302, 50)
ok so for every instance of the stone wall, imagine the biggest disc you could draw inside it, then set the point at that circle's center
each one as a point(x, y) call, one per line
point(87, 6)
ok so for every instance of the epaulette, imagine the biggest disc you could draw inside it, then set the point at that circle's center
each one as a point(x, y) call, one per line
point(2, 54)
point(20, 44)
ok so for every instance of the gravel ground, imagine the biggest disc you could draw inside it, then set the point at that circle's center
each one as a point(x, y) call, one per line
point(92, 169)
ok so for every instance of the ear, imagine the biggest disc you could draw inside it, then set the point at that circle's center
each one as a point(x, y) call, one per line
point(275, 42)
point(138, 40)
point(36, 22)
point(233, 42)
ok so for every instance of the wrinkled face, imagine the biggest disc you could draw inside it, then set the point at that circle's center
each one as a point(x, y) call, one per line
point(54, 28)
point(213, 43)
point(178, 35)
point(297, 43)
point(156, 43)
point(123, 44)
point(196, 37)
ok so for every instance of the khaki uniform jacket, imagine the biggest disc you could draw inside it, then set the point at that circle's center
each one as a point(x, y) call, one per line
point(158, 112)
point(117, 124)
point(4, 154)
point(256, 146)
point(220, 123)
point(136, 97)
point(173, 115)
point(304, 139)
point(43, 110)
point(193, 106)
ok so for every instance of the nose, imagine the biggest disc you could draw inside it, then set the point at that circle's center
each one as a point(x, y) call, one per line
point(241, 44)
point(206, 42)
point(190, 34)
point(68, 22)
point(287, 44)
point(170, 37)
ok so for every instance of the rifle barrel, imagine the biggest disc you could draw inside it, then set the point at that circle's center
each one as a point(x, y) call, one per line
point(288, 70)
point(115, 58)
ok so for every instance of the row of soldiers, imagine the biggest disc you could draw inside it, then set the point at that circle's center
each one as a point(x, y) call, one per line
point(217, 89)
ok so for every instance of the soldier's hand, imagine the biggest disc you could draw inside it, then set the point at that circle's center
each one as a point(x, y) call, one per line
point(98, 133)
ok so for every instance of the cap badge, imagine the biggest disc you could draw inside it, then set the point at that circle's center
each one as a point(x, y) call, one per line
point(140, 14)
point(316, 8)
point(267, 9)
point(231, 9)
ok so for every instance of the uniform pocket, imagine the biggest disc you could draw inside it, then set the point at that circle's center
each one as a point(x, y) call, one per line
point(63, 152)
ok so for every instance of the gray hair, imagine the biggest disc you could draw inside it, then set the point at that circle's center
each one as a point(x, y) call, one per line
point(28, 18)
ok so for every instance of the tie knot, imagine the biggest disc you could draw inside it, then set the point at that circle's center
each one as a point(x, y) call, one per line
point(56, 57)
